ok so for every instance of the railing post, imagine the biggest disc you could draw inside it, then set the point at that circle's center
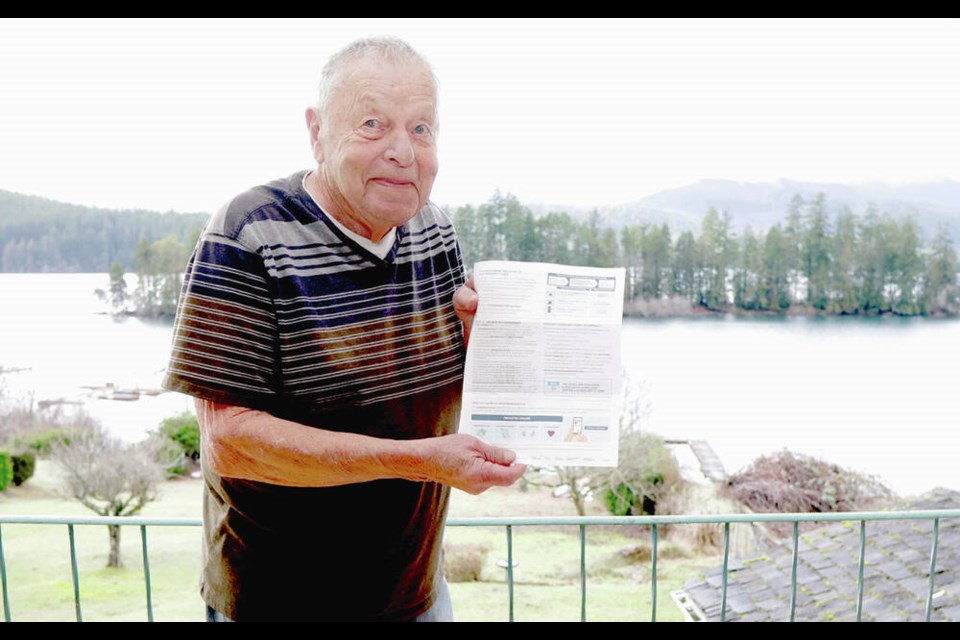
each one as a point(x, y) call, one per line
point(793, 579)
point(146, 571)
point(510, 567)
point(3, 580)
point(76, 576)
point(723, 587)
point(653, 574)
point(933, 568)
point(583, 573)
point(863, 555)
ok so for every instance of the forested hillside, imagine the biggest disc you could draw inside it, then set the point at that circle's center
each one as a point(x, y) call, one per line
point(41, 235)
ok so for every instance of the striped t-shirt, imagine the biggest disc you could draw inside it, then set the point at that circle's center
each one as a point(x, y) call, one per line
point(281, 311)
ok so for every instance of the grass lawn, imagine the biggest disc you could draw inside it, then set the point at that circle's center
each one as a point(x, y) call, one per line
point(547, 564)
point(38, 558)
point(546, 575)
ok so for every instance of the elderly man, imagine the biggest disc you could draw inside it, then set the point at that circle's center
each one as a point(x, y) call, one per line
point(322, 329)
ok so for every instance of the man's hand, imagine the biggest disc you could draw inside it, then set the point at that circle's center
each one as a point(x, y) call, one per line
point(470, 464)
point(465, 301)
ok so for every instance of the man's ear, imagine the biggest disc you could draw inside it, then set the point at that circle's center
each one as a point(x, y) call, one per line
point(312, 116)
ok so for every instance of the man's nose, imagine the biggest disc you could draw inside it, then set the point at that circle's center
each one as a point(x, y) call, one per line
point(400, 148)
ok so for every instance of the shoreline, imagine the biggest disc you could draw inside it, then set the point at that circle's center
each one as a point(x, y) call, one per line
point(665, 310)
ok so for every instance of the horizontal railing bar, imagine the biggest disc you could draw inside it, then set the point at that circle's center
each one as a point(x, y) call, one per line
point(708, 518)
point(501, 521)
point(121, 520)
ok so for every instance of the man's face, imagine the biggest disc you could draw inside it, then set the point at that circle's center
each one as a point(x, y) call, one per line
point(376, 150)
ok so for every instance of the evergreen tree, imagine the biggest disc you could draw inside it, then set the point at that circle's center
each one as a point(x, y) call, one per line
point(118, 286)
point(655, 250)
point(940, 282)
point(907, 268)
point(816, 253)
point(750, 270)
point(715, 249)
point(871, 264)
point(844, 297)
point(685, 279)
point(557, 234)
point(775, 279)
point(794, 235)
point(631, 243)
point(465, 222)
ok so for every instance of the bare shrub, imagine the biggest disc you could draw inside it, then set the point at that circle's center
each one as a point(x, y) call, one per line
point(746, 540)
point(111, 477)
point(28, 426)
point(786, 482)
point(464, 562)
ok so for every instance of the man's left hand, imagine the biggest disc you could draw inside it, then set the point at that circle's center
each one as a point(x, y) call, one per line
point(465, 301)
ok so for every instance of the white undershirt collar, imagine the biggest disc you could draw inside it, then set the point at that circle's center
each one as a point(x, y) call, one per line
point(379, 249)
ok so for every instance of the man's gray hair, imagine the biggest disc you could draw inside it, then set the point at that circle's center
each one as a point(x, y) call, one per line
point(383, 49)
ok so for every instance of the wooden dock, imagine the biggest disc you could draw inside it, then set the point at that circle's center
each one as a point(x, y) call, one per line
point(709, 461)
point(710, 465)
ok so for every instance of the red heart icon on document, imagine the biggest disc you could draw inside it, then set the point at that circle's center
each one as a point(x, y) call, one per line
point(551, 432)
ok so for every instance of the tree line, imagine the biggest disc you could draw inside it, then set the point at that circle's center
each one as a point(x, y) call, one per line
point(842, 264)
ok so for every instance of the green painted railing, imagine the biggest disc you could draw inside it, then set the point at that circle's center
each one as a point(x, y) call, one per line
point(71, 523)
point(654, 522)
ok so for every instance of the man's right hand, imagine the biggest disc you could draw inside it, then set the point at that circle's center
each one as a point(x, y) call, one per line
point(470, 464)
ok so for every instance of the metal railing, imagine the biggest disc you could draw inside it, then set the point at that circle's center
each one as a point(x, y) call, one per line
point(71, 523)
point(510, 523)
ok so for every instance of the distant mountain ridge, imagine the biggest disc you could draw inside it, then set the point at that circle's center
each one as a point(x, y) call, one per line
point(764, 203)
point(760, 205)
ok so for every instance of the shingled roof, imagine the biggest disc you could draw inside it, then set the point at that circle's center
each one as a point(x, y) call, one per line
point(896, 573)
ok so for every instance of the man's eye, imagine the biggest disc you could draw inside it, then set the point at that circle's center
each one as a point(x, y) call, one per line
point(421, 129)
point(372, 123)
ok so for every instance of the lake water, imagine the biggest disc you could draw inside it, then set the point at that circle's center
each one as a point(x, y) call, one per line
point(55, 327)
point(876, 395)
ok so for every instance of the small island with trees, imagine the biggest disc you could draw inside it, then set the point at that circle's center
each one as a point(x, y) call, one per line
point(869, 264)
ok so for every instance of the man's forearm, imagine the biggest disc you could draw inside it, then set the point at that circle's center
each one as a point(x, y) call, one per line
point(254, 445)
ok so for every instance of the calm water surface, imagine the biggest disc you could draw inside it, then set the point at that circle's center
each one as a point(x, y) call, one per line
point(55, 327)
point(875, 395)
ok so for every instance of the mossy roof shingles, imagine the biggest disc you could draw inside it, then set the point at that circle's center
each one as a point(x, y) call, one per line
point(896, 573)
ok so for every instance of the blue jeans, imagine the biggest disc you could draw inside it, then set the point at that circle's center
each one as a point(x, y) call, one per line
point(440, 611)
point(442, 608)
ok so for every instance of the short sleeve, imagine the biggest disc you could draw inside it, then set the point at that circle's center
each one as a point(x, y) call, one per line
point(225, 335)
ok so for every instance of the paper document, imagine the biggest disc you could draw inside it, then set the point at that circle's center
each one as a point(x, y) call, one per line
point(543, 370)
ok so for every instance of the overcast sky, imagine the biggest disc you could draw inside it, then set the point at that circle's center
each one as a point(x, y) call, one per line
point(181, 115)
